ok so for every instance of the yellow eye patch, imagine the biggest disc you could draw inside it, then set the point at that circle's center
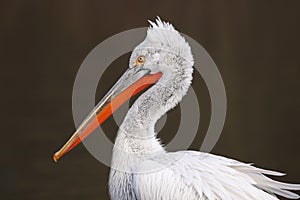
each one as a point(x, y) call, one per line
point(140, 60)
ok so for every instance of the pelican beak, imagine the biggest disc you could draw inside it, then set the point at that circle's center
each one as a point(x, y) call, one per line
point(131, 83)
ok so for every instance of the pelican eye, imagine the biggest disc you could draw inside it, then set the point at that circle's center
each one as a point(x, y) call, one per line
point(140, 60)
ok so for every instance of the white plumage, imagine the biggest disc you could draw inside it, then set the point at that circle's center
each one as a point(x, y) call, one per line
point(181, 175)
point(141, 168)
point(198, 175)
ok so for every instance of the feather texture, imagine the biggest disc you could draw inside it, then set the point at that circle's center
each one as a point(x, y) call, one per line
point(143, 170)
point(196, 175)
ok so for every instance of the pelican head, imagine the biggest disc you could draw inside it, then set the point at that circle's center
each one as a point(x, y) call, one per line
point(162, 48)
point(164, 59)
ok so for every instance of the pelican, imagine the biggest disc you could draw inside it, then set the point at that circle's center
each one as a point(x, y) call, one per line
point(141, 168)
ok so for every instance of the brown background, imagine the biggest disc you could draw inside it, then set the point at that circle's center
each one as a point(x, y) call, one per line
point(42, 44)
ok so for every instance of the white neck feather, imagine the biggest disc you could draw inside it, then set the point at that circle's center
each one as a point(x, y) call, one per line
point(136, 134)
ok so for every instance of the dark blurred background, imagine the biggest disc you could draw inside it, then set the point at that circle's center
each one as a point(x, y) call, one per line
point(255, 44)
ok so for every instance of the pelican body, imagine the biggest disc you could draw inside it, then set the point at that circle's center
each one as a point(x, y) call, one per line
point(141, 168)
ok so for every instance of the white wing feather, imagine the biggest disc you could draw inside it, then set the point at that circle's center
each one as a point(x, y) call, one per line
point(195, 175)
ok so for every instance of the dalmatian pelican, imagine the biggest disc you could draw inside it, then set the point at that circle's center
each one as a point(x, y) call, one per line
point(141, 168)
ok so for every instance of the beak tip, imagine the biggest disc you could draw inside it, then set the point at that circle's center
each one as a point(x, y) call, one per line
point(56, 157)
